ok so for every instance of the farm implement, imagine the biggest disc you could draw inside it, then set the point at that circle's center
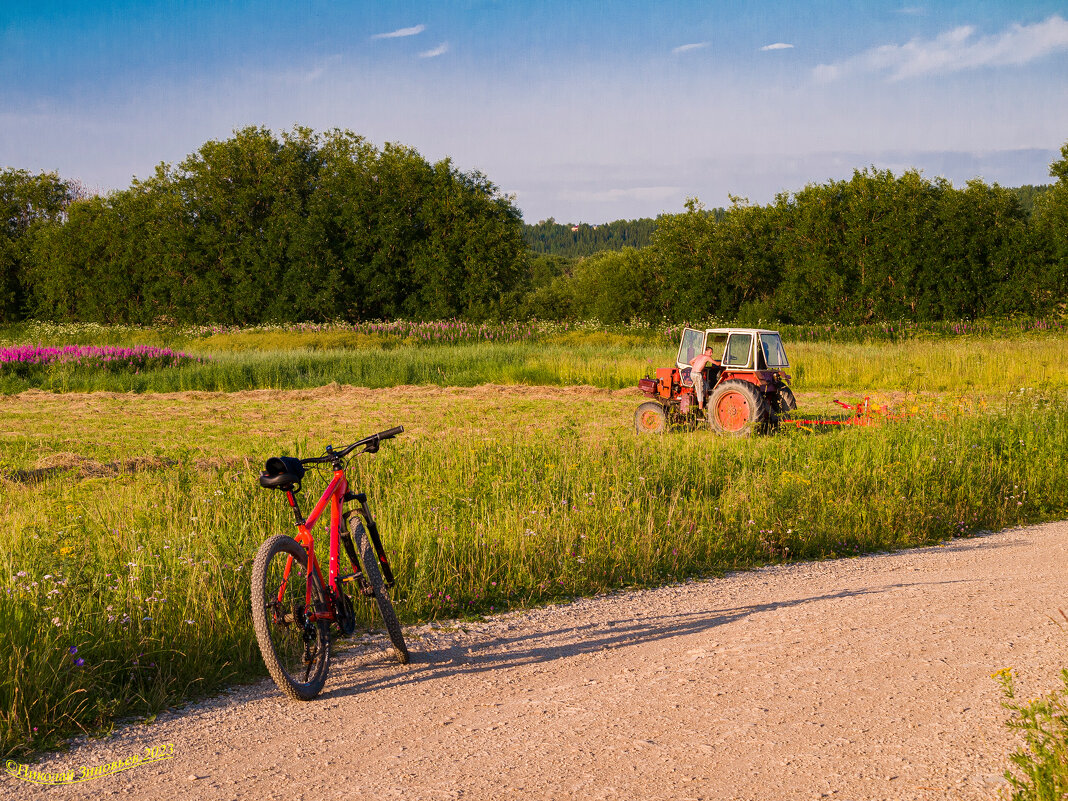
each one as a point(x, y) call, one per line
point(864, 413)
point(735, 380)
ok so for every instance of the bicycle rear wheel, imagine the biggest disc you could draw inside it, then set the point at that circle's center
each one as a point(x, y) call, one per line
point(373, 574)
point(295, 650)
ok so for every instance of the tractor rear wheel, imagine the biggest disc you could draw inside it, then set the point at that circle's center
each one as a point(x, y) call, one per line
point(650, 418)
point(737, 408)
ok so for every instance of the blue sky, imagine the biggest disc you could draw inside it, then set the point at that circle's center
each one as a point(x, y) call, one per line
point(585, 111)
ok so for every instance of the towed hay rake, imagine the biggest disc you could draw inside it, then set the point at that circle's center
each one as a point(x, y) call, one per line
point(864, 413)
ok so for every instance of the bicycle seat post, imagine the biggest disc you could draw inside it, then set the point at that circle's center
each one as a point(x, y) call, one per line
point(292, 498)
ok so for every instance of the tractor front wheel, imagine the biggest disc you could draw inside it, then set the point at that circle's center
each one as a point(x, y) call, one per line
point(650, 418)
point(737, 408)
point(787, 401)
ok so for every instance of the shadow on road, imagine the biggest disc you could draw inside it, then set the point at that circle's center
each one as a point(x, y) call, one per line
point(479, 655)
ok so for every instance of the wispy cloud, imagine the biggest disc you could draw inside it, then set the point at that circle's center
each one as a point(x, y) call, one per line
point(686, 48)
point(643, 193)
point(954, 51)
point(401, 32)
point(912, 11)
point(778, 46)
point(440, 50)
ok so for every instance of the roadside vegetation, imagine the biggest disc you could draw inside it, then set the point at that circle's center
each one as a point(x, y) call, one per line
point(1040, 767)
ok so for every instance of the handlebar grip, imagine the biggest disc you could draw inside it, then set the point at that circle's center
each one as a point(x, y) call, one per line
point(391, 433)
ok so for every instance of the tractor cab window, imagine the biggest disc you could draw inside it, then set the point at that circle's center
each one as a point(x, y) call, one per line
point(738, 349)
point(718, 342)
point(774, 355)
point(692, 346)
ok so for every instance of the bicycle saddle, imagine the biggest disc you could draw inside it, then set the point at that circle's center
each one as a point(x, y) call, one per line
point(282, 472)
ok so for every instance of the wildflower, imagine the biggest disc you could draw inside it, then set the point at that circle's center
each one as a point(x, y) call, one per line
point(79, 662)
point(72, 650)
point(55, 622)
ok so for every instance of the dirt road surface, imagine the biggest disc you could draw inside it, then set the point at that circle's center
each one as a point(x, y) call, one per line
point(866, 678)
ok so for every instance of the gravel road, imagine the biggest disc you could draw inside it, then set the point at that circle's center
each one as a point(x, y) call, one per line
point(865, 678)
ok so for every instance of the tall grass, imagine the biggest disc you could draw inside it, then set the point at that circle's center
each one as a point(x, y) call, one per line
point(988, 365)
point(146, 575)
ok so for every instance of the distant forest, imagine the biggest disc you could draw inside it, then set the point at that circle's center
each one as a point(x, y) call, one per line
point(307, 226)
point(583, 239)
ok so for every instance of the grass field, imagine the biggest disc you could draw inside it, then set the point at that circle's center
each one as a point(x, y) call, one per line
point(133, 518)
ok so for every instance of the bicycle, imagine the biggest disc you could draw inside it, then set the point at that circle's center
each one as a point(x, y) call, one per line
point(292, 618)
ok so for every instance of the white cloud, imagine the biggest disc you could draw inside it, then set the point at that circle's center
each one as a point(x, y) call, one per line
point(778, 46)
point(440, 50)
point(401, 32)
point(912, 11)
point(954, 51)
point(686, 48)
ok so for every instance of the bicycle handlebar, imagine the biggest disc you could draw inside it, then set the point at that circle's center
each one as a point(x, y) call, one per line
point(371, 444)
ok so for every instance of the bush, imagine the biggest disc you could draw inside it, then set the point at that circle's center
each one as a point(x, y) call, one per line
point(1042, 766)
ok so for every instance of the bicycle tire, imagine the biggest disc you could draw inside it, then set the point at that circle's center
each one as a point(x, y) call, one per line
point(373, 574)
point(296, 658)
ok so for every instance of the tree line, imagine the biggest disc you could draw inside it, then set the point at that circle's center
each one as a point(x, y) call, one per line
point(871, 248)
point(261, 228)
point(312, 226)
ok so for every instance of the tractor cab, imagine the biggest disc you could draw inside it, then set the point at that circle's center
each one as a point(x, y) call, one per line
point(745, 383)
point(736, 348)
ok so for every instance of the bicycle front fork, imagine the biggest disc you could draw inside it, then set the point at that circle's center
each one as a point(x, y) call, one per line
point(372, 533)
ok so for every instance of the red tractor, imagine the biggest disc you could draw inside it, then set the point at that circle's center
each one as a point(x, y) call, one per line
point(745, 387)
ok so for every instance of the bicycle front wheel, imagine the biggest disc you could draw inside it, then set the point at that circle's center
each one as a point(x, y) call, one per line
point(373, 573)
point(295, 649)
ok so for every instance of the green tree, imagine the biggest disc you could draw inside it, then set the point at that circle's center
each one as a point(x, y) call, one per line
point(614, 287)
point(1048, 242)
point(28, 204)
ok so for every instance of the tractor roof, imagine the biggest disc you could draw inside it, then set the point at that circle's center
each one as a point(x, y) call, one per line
point(739, 331)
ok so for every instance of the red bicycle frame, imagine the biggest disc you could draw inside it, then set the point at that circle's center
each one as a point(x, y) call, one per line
point(334, 495)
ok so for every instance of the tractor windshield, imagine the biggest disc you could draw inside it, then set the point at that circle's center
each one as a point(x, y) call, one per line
point(692, 346)
point(738, 348)
point(774, 355)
